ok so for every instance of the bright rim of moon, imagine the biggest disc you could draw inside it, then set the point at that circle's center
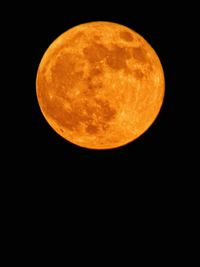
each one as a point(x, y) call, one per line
point(100, 85)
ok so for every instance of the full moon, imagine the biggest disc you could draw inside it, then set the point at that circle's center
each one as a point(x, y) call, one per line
point(100, 85)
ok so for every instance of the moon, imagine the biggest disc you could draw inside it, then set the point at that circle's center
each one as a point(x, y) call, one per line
point(100, 85)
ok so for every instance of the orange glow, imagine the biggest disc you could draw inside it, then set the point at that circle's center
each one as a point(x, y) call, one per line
point(100, 85)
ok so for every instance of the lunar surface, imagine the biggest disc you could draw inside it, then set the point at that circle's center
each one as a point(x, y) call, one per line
point(100, 85)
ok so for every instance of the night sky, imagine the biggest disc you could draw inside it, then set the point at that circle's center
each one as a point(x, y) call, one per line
point(141, 194)
point(150, 158)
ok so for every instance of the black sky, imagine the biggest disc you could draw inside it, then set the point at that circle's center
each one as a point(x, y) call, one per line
point(55, 190)
point(155, 153)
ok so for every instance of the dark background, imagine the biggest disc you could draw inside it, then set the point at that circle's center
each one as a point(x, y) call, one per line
point(155, 158)
point(142, 193)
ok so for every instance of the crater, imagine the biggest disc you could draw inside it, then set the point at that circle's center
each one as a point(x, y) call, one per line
point(81, 113)
point(138, 74)
point(95, 71)
point(139, 54)
point(95, 52)
point(126, 36)
point(92, 129)
point(65, 73)
point(104, 111)
point(94, 80)
point(117, 58)
point(54, 54)
point(79, 35)
point(70, 118)
point(97, 37)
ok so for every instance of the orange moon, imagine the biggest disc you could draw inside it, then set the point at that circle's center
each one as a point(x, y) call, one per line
point(100, 85)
